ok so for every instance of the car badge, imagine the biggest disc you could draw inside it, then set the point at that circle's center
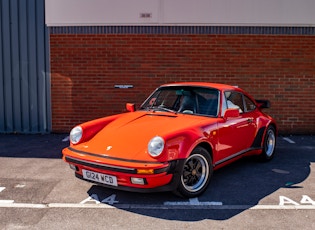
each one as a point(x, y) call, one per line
point(109, 148)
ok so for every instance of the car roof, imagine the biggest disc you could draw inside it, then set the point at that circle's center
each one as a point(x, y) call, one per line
point(204, 84)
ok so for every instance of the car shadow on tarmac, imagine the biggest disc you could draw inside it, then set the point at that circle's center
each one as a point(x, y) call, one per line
point(244, 183)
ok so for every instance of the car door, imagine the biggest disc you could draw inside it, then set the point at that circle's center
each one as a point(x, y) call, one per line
point(236, 134)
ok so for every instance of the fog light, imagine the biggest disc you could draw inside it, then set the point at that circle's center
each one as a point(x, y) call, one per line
point(135, 180)
point(73, 167)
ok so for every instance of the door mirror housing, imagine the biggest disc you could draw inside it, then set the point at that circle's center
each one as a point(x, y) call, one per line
point(231, 113)
point(263, 104)
point(130, 107)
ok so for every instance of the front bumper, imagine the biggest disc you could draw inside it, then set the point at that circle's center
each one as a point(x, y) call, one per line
point(165, 176)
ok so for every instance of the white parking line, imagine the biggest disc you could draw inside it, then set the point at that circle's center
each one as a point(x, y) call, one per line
point(192, 202)
point(67, 138)
point(6, 201)
point(6, 204)
point(71, 205)
point(288, 140)
point(19, 186)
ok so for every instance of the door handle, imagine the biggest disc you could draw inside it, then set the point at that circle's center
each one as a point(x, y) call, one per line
point(250, 120)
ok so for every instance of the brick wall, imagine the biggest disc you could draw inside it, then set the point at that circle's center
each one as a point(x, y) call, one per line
point(86, 67)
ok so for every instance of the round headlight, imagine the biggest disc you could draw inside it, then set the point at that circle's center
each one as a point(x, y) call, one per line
point(76, 135)
point(156, 146)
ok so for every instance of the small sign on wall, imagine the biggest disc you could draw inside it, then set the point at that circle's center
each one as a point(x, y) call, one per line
point(123, 86)
point(162, 12)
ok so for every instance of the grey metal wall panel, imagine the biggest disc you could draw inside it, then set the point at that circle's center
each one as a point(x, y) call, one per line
point(24, 67)
point(1, 79)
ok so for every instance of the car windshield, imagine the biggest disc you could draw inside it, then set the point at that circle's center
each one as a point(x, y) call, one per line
point(184, 99)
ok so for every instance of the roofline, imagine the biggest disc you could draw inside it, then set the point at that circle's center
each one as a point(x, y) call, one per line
point(207, 84)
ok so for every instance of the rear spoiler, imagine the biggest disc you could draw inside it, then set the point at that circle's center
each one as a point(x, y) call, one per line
point(263, 104)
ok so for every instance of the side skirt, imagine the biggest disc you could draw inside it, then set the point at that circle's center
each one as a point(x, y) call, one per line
point(236, 155)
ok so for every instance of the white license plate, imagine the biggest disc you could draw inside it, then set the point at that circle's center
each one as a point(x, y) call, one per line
point(99, 177)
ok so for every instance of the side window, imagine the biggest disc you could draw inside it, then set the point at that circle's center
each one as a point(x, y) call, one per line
point(208, 101)
point(234, 100)
point(250, 106)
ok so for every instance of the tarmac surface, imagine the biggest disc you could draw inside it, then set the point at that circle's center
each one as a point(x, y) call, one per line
point(33, 146)
point(39, 191)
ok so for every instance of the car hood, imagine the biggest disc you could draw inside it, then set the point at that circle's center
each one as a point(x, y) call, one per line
point(128, 136)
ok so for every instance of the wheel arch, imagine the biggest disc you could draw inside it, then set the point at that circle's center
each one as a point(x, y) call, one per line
point(261, 133)
point(207, 147)
point(271, 124)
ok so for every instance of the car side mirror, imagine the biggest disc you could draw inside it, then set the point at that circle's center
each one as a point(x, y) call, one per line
point(130, 107)
point(230, 113)
point(263, 104)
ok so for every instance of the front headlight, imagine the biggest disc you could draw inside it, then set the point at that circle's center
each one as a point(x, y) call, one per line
point(76, 135)
point(156, 146)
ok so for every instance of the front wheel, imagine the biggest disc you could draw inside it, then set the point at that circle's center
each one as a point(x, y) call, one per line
point(196, 173)
point(269, 144)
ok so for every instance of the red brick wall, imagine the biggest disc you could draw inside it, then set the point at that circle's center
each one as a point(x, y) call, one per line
point(86, 67)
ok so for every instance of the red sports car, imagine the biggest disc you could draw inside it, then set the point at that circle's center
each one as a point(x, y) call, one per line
point(174, 141)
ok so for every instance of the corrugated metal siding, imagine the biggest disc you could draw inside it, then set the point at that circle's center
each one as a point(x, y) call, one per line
point(24, 72)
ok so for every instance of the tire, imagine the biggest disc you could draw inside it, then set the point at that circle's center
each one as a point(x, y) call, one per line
point(269, 144)
point(196, 174)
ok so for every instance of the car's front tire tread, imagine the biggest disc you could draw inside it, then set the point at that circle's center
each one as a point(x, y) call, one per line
point(196, 173)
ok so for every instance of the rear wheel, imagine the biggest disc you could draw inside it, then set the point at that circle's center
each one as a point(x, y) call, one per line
point(196, 173)
point(269, 144)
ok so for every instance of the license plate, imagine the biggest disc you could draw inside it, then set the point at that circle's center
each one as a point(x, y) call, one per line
point(99, 177)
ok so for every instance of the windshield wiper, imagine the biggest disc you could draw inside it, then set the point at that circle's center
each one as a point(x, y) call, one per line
point(161, 108)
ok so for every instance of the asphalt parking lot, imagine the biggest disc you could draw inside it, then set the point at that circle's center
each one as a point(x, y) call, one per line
point(39, 191)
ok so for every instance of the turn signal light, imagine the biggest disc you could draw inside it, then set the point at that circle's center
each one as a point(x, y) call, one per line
point(145, 171)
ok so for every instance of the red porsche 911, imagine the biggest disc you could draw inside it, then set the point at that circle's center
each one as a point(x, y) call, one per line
point(174, 141)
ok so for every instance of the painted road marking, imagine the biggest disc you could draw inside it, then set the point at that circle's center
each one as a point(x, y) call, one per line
point(93, 202)
point(66, 139)
point(192, 201)
point(285, 204)
point(20, 186)
point(288, 140)
point(95, 199)
point(283, 200)
point(164, 207)
point(280, 171)
point(6, 201)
